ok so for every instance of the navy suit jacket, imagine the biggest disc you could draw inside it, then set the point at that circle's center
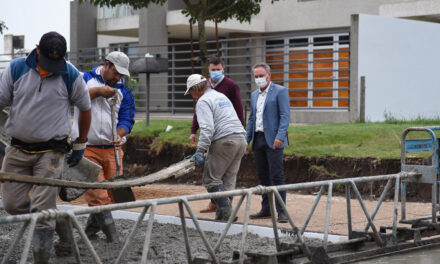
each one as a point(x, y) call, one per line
point(276, 115)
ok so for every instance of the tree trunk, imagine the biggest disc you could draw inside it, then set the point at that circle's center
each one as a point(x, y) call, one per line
point(203, 47)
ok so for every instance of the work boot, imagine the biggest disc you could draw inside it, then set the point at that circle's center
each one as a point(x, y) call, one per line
point(63, 247)
point(107, 225)
point(42, 245)
point(224, 207)
point(92, 226)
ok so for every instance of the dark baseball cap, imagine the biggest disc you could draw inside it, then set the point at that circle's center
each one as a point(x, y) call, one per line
point(52, 51)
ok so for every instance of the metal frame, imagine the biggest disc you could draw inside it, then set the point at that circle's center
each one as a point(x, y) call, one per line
point(430, 173)
point(29, 220)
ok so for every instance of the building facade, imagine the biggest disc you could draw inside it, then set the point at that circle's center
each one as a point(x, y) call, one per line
point(307, 43)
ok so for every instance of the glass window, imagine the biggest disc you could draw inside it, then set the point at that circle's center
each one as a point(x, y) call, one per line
point(344, 39)
point(117, 11)
point(323, 41)
point(299, 42)
point(275, 44)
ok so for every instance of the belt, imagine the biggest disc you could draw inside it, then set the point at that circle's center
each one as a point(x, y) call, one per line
point(42, 147)
point(101, 146)
point(259, 133)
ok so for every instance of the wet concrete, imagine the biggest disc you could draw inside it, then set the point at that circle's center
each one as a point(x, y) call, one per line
point(166, 246)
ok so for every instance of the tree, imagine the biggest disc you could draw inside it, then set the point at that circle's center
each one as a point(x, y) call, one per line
point(2, 26)
point(201, 11)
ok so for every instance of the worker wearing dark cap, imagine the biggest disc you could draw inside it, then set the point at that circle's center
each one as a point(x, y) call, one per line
point(38, 89)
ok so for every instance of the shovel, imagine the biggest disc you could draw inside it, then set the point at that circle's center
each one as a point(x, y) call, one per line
point(86, 171)
point(121, 195)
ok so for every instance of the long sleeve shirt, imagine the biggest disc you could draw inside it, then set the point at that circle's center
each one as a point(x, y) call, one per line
point(100, 132)
point(229, 88)
point(217, 119)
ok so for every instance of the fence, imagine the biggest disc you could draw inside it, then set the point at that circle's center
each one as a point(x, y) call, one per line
point(30, 220)
point(314, 67)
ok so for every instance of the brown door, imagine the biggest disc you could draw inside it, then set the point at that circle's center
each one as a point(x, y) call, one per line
point(343, 74)
point(298, 77)
point(322, 77)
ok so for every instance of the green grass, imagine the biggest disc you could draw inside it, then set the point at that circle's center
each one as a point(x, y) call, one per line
point(179, 132)
point(381, 140)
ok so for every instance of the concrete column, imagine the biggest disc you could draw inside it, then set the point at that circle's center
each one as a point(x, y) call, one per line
point(354, 78)
point(8, 48)
point(83, 32)
point(154, 31)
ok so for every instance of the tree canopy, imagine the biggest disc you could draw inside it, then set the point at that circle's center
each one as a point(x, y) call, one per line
point(2, 26)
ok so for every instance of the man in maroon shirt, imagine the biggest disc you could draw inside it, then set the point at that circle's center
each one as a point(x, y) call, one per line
point(226, 86)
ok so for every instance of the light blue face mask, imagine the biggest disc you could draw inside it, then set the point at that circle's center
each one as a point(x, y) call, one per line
point(216, 75)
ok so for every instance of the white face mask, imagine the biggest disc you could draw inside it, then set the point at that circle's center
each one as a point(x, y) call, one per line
point(261, 82)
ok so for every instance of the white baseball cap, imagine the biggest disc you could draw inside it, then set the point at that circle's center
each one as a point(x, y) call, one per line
point(121, 62)
point(192, 80)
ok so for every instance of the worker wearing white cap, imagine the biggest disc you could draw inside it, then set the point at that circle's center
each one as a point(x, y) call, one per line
point(221, 137)
point(107, 90)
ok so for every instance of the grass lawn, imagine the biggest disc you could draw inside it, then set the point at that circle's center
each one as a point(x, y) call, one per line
point(380, 140)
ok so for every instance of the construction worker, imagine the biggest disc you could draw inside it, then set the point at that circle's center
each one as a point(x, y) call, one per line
point(105, 85)
point(228, 87)
point(222, 137)
point(39, 89)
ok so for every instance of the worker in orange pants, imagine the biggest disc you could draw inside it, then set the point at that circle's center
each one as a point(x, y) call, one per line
point(105, 157)
point(113, 109)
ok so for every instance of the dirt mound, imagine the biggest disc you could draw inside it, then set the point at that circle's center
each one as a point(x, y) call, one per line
point(142, 159)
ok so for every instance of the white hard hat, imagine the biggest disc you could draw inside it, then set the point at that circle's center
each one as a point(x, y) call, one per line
point(192, 80)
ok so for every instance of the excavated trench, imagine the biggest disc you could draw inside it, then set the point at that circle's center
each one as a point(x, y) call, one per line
point(142, 158)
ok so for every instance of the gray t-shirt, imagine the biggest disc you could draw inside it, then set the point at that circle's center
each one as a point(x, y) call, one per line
point(40, 107)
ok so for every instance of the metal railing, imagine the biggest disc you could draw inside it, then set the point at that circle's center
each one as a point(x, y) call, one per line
point(30, 220)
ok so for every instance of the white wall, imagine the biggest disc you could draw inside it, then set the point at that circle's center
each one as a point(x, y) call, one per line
point(290, 15)
point(400, 61)
point(106, 40)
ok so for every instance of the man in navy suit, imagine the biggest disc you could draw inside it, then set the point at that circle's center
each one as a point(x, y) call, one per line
point(267, 129)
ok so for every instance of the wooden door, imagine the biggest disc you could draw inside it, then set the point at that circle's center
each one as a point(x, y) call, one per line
point(298, 77)
point(343, 66)
point(322, 77)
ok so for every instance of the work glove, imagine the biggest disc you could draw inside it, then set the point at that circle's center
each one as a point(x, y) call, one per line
point(77, 153)
point(198, 159)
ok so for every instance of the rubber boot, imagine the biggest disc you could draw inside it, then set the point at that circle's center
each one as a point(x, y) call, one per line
point(92, 226)
point(107, 224)
point(224, 207)
point(63, 247)
point(42, 245)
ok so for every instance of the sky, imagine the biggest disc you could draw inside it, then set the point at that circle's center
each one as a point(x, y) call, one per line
point(33, 18)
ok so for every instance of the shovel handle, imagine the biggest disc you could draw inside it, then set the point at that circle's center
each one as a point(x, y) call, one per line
point(114, 132)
